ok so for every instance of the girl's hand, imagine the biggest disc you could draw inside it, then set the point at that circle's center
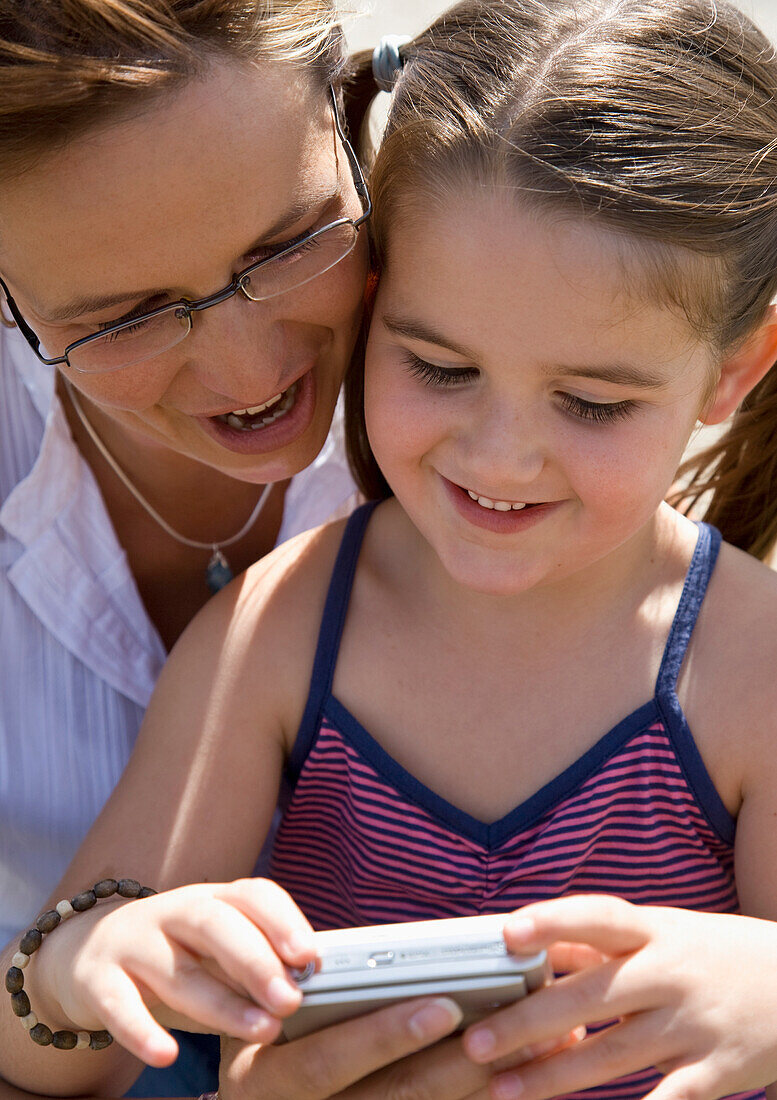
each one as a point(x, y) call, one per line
point(381, 1056)
point(695, 993)
point(204, 958)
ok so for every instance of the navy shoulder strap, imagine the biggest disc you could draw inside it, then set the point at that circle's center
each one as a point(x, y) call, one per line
point(697, 579)
point(331, 630)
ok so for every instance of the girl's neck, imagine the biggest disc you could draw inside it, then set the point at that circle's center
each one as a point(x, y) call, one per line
point(605, 591)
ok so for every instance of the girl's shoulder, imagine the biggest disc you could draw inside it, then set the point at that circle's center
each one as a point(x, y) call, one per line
point(729, 683)
point(265, 623)
point(738, 621)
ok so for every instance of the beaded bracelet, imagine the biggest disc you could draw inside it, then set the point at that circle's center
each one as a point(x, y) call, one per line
point(29, 944)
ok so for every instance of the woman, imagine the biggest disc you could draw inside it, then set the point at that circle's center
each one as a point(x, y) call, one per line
point(150, 152)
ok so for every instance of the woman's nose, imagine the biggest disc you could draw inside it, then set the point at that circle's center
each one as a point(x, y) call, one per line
point(237, 346)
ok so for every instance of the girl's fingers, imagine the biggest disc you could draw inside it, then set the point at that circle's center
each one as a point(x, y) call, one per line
point(565, 958)
point(619, 1050)
point(691, 1082)
point(592, 996)
point(222, 932)
point(187, 989)
point(274, 911)
point(610, 925)
point(130, 1022)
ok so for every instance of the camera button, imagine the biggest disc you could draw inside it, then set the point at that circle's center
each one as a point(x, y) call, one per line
point(381, 958)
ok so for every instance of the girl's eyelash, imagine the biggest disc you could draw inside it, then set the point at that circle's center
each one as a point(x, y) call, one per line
point(433, 375)
point(600, 413)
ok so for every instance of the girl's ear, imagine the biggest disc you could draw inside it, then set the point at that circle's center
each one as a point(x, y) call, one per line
point(743, 370)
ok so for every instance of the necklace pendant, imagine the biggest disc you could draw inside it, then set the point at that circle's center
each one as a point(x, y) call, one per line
point(218, 574)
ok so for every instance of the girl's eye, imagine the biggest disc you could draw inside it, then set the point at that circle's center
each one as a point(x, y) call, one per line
point(432, 375)
point(600, 413)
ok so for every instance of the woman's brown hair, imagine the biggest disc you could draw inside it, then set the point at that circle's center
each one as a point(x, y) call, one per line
point(656, 118)
point(69, 65)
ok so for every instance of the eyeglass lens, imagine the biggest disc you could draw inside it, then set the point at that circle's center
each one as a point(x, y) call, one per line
point(150, 336)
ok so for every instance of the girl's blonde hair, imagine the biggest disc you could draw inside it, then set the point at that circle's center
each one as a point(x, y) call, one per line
point(68, 65)
point(658, 118)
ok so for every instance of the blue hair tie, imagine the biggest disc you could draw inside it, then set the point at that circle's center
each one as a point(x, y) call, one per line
point(386, 60)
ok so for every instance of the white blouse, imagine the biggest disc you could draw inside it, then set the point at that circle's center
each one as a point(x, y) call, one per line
point(79, 656)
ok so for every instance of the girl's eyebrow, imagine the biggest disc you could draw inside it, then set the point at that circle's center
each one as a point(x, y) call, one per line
point(621, 374)
point(419, 330)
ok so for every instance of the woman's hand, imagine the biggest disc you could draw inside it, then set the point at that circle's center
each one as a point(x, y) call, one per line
point(204, 958)
point(695, 993)
point(393, 1054)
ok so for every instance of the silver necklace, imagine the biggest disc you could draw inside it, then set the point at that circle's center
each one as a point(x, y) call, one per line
point(217, 572)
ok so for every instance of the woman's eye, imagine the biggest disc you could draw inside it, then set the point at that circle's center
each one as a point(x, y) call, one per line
point(599, 412)
point(123, 320)
point(287, 251)
point(432, 375)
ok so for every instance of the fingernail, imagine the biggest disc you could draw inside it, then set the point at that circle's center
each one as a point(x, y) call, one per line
point(480, 1043)
point(507, 1087)
point(435, 1020)
point(300, 943)
point(520, 927)
point(280, 994)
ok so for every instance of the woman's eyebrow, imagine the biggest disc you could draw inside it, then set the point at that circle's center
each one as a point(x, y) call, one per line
point(80, 306)
point(94, 303)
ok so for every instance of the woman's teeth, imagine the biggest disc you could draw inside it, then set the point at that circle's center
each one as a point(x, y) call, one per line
point(495, 505)
point(259, 416)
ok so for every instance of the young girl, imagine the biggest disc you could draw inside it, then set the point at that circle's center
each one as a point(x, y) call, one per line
point(525, 675)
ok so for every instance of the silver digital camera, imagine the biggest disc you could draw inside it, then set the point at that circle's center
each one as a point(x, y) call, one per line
point(362, 969)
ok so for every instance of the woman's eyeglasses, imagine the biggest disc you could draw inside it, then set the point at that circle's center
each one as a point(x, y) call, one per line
point(150, 334)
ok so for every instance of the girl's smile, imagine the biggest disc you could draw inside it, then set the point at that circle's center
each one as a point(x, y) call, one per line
point(526, 433)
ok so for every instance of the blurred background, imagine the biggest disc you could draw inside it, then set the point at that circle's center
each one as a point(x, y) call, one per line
point(410, 16)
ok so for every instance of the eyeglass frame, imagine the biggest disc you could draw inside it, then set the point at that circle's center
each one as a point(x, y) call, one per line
point(191, 306)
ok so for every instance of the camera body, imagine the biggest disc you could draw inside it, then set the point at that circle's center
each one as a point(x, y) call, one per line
point(362, 969)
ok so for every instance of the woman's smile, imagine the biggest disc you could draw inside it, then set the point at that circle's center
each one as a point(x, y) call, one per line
point(252, 388)
point(267, 427)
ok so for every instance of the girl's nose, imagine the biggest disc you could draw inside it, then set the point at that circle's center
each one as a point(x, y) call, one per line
point(504, 445)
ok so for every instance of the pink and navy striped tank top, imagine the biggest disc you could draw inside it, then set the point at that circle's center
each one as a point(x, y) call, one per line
point(364, 842)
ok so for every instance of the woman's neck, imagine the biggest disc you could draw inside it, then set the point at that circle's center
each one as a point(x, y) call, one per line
point(195, 500)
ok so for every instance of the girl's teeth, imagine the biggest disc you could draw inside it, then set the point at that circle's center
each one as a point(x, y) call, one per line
point(495, 505)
